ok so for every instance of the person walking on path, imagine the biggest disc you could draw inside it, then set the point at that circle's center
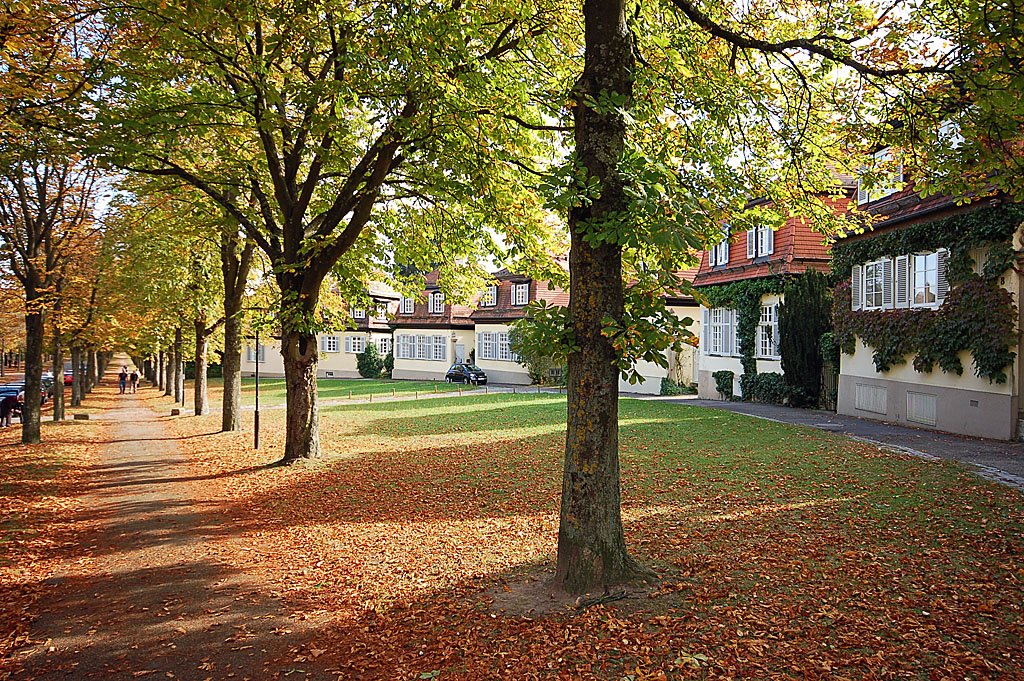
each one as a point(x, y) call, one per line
point(134, 380)
point(123, 379)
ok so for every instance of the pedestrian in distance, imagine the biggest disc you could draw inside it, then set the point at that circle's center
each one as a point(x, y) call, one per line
point(122, 379)
point(134, 380)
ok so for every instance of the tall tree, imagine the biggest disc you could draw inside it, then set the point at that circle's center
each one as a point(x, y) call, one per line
point(314, 119)
point(46, 208)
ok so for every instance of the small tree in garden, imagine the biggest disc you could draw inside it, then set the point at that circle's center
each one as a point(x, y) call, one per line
point(389, 364)
point(537, 363)
point(804, 317)
point(369, 362)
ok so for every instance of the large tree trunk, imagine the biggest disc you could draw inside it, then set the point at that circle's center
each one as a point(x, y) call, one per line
point(160, 371)
point(30, 414)
point(58, 377)
point(90, 371)
point(77, 379)
point(169, 372)
point(202, 404)
point(231, 364)
point(235, 266)
point(302, 436)
point(591, 545)
point(179, 397)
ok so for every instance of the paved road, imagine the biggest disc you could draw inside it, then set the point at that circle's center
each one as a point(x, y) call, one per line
point(995, 460)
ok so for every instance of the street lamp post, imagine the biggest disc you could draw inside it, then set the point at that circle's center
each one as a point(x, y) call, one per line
point(256, 420)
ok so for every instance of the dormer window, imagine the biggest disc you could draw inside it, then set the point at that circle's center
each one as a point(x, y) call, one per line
point(719, 254)
point(489, 298)
point(436, 303)
point(520, 294)
point(359, 313)
point(760, 241)
point(407, 305)
point(888, 178)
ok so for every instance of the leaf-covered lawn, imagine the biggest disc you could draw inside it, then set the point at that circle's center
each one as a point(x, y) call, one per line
point(783, 551)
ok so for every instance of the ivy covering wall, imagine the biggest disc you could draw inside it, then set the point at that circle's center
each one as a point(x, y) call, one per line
point(745, 297)
point(978, 315)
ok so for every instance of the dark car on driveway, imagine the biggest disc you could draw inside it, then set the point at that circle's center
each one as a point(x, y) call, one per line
point(466, 373)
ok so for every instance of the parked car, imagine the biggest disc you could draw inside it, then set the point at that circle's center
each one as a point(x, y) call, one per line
point(68, 377)
point(466, 373)
point(16, 387)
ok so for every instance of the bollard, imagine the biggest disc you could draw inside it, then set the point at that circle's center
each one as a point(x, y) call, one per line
point(435, 388)
point(513, 390)
point(350, 394)
point(417, 395)
point(538, 389)
point(393, 394)
point(485, 390)
point(371, 397)
point(460, 391)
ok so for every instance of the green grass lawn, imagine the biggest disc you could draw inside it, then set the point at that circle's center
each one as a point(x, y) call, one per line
point(272, 390)
point(784, 551)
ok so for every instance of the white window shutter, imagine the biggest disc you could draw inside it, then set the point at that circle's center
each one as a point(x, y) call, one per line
point(862, 193)
point(705, 330)
point(323, 343)
point(902, 281)
point(724, 259)
point(713, 256)
point(942, 261)
point(348, 343)
point(856, 282)
point(770, 236)
point(775, 330)
point(887, 284)
point(751, 243)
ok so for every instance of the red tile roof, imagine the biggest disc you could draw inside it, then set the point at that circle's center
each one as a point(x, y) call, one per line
point(798, 247)
point(504, 310)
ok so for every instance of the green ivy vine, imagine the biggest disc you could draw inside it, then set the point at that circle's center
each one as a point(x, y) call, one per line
point(744, 297)
point(977, 316)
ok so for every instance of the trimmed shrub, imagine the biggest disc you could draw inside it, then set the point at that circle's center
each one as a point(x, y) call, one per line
point(389, 364)
point(804, 317)
point(723, 382)
point(369, 362)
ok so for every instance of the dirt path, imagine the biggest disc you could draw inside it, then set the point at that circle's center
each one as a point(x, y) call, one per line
point(147, 597)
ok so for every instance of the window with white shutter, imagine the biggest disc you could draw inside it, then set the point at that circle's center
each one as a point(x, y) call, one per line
point(355, 344)
point(359, 313)
point(404, 347)
point(489, 298)
point(440, 349)
point(504, 351)
point(765, 240)
point(348, 344)
point(329, 343)
point(520, 294)
point(383, 345)
point(436, 303)
point(751, 243)
point(407, 306)
point(705, 330)
point(874, 284)
point(487, 346)
point(768, 332)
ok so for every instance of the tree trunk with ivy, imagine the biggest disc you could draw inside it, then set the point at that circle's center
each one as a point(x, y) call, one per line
point(591, 544)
